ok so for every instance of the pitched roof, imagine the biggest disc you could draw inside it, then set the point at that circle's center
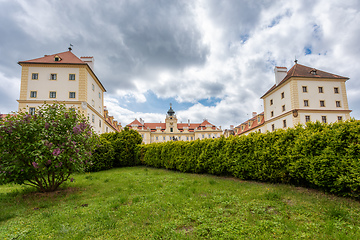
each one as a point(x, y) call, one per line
point(302, 71)
point(135, 122)
point(191, 127)
point(253, 123)
point(205, 123)
point(66, 58)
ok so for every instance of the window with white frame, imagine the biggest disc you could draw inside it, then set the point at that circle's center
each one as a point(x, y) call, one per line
point(53, 76)
point(271, 102)
point(321, 90)
point(306, 103)
point(34, 76)
point(52, 95)
point(284, 123)
point(283, 108)
point(71, 94)
point(282, 95)
point(336, 90)
point(99, 95)
point(304, 88)
point(323, 119)
point(93, 118)
point(322, 103)
point(31, 110)
point(339, 118)
point(93, 87)
point(338, 104)
point(72, 76)
point(33, 94)
point(272, 113)
point(273, 127)
point(307, 118)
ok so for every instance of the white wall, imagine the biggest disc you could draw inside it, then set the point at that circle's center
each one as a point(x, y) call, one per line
point(62, 86)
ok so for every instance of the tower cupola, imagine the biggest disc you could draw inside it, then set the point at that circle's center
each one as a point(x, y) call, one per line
point(171, 112)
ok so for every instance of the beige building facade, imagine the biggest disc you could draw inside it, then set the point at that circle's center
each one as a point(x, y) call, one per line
point(300, 95)
point(171, 130)
point(64, 78)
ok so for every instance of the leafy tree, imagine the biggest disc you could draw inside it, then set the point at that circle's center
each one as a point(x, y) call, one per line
point(44, 149)
point(125, 144)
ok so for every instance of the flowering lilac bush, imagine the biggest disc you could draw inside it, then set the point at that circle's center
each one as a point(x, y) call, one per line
point(44, 149)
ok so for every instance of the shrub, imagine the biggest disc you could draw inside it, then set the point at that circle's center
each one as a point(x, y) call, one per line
point(323, 156)
point(124, 144)
point(44, 149)
point(102, 157)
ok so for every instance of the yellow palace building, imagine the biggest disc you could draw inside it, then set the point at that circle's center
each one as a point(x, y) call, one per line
point(171, 130)
point(65, 78)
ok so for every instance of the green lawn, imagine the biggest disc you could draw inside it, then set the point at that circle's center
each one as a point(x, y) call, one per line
point(145, 203)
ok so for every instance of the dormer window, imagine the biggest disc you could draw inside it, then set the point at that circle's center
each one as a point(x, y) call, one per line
point(57, 58)
point(313, 71)
point(249, 124)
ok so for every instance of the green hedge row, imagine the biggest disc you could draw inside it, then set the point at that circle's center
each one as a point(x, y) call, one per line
point(322, 156)
point(116, 149)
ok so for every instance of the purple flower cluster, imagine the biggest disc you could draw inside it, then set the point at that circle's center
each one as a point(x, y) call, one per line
point(47, 125)
point(60, 164)
point(35, 165)
point(48, 144)
point(56, 152)
point(80, 127)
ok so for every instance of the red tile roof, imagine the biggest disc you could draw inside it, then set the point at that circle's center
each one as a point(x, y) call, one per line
point(302, 71)
point(191, 127)
point(253, 124)
point(135, 122)
point(66, 58)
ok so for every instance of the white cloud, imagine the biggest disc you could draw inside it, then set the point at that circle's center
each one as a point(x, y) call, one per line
point(195, 51)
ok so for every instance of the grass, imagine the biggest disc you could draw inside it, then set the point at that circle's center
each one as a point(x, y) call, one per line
point(145, 203)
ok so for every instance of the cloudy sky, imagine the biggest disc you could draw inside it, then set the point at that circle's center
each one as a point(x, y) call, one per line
point(211, 59)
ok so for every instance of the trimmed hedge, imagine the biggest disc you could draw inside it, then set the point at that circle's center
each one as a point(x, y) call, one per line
point(322, 156)
point(118, 149)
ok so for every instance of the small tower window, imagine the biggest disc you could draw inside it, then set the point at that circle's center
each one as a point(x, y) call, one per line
point(57, 58)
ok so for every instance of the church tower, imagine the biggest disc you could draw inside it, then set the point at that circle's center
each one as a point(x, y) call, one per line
point(171, 121)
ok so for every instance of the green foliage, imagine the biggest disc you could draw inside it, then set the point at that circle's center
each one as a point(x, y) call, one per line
point(43, 149)
point(323, 156)
point(122, 151)
point(103, 156)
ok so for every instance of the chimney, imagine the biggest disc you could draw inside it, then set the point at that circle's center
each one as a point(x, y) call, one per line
point(232, 127)
point(280, 74)
point(189, 122)
point(89, 61)
point(254, 114)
